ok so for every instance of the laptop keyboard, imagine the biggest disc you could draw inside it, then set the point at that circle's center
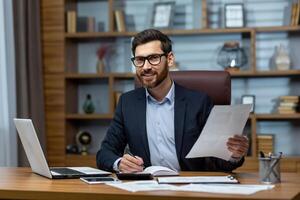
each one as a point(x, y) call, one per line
point(66, 171)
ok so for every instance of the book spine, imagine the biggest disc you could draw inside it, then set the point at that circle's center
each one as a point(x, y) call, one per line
point(71, 21)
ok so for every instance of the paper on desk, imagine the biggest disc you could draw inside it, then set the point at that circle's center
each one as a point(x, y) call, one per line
point(222, 123)
point(136, 186)
point(226, 188)
point(198, 179)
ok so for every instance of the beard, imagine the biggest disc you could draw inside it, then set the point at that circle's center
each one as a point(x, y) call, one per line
point(151, 78)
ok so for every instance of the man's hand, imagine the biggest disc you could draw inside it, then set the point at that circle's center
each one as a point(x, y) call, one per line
point(130, 164)
point(238, 145)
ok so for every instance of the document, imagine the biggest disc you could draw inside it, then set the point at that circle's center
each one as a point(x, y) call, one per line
point(226, 188)
point(198, 179)
point(222, 123)
point(136, 186)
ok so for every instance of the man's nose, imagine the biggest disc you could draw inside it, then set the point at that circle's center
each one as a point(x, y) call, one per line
point(147, 65)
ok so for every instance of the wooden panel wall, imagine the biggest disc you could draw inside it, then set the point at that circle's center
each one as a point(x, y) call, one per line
point(52, 25)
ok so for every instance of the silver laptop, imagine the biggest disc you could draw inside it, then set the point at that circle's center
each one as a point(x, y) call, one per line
point(38, 161)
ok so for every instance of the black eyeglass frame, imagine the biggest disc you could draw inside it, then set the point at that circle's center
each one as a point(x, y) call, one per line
point(147, 58)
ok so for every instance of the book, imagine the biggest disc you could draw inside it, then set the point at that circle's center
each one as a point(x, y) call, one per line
point(71, 21)
point(204, 14)
point(160, 171)
point(120, 21)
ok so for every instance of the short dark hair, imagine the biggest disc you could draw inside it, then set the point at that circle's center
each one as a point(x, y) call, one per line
point(150, 35)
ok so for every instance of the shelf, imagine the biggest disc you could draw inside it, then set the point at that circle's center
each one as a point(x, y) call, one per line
point(276, 116)
point(168, 32)
point(129, 75)
point(88, 116)
point(183, 32)
point(271, 73)
point(278, 28)
point(85, 76)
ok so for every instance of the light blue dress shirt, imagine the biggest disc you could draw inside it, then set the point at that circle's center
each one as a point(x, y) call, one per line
point(160, 130)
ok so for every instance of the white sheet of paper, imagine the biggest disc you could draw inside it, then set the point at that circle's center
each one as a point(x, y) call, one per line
point(226, 188)
point(222, 123)
point(136, 186)
point(198, 179)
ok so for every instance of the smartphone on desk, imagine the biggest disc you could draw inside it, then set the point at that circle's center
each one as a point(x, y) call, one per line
point(98, 180)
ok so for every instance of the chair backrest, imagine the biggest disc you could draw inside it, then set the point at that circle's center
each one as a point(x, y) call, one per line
point(216, 84)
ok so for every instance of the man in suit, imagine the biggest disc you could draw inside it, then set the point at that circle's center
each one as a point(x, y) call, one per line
point(161, 121)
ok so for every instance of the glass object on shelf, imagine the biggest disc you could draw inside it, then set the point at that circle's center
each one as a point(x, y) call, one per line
point(88, 106)
point(83, 139)
point(231, 56)
point(280, 59)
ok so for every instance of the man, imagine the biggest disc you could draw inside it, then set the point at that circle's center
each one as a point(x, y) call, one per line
point(161, 121)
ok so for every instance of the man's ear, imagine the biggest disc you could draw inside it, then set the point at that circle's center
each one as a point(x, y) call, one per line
point(171, 59)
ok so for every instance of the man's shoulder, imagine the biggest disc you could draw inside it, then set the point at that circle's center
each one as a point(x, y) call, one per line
point(138, 92)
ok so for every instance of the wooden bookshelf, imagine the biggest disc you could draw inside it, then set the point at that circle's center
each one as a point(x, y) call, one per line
point(61, 79)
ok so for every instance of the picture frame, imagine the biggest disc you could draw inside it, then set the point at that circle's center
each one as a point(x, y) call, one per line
point(249, 99)
point(163, 14)
point(234, 15)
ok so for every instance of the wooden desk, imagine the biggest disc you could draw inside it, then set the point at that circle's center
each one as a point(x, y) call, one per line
point(21, 183)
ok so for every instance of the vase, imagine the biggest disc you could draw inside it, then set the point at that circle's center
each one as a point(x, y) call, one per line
point(282, 60)
point(88, 106)
point(100, 66)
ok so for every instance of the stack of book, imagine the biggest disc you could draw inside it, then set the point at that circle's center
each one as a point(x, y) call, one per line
point(288, 104)
point(265, 143)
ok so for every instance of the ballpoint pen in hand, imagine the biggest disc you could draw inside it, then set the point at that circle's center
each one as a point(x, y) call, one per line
point(136, 158)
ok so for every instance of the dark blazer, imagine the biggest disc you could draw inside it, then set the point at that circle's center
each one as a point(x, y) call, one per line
point(129, 127)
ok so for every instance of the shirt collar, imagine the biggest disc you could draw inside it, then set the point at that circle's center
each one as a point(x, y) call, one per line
point(169, 97)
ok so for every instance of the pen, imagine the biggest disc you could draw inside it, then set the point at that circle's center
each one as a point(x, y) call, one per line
point(134, 157)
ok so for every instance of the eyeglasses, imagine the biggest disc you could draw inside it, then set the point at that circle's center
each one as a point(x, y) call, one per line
point(153, 59)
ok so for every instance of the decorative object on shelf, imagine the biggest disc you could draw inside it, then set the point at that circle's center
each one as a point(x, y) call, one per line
point(163, 14)
point(234, 15)
point(83, 140)
point(101, 26)
point(88, 105)
point(72, 149)
point(249, 99)
point(280, 60)
point(231, 56)
point(101, 53)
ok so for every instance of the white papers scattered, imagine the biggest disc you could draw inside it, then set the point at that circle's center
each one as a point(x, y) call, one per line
point(226, 188)
point(137, 186)
point(198, 179)
point(222, 123)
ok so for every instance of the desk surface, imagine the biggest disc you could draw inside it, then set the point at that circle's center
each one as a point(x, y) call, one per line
point(21, 183)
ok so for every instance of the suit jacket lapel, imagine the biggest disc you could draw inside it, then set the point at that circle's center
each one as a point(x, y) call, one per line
point(141, 123)
point(179, 117)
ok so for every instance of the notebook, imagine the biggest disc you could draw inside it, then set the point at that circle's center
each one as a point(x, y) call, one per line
point(38, 161)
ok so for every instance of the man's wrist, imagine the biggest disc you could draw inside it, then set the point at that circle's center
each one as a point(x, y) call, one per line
point(116, 165)
point(235, 159)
